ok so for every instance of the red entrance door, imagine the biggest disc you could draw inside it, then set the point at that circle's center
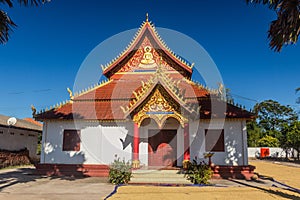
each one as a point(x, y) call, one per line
point(162, 148)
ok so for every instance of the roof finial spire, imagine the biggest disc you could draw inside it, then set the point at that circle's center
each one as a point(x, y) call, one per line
point(147, 17)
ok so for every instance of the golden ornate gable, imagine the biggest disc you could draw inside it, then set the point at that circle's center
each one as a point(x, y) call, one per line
point(160, 109)
point(146, 35)
point(145, 58)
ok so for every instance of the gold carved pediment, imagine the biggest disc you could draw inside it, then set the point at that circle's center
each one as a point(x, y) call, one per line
point(145, 58)
point(160, 109)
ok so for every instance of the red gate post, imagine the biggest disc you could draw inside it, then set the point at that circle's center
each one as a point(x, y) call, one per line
point(186, 136)
point(135, 160)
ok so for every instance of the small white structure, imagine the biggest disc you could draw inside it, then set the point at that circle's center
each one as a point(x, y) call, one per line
point(274, 152)
point(18, 134)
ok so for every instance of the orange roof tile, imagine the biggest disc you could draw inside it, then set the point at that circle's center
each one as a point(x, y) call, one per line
point(104, 101)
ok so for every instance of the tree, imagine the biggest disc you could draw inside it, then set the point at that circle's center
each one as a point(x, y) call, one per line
point(286, 28)
point(272, 122)
point(272, 116)
point(254, 133)
point(293, 137)
point(268, 141)
point(6, 23)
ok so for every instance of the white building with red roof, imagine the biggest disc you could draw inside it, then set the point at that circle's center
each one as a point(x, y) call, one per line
point(19, 134)
point(150, 112)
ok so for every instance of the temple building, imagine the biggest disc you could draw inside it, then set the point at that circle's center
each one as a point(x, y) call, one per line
point(149, 112)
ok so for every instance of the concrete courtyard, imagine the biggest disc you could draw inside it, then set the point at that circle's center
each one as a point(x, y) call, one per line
point(21, 184)
point(16, 184)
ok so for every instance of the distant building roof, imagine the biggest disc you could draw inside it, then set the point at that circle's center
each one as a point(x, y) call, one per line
point(31, 120)
point(27, 123)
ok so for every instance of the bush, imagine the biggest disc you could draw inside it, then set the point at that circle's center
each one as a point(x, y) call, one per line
point(268, 141)
point(119, 172)
point(198, 173)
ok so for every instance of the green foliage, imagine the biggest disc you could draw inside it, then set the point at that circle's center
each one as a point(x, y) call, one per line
point(272, 115)
point(198, 173)
point(286, 28)
point(119, 172)
point(292, 139)
point(39, 146)
point(270, 127)
point(276, 126)
point(39, 149)
point(254, 133)
point(268, 141)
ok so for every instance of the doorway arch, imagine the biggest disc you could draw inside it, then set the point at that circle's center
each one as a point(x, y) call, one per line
point(162, 142)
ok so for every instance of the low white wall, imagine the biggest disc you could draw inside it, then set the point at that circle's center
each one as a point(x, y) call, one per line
point(13, 139)
point(274, 152)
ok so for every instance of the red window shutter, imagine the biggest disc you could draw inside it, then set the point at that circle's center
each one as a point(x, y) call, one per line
point(71, 140)
point(214, 140)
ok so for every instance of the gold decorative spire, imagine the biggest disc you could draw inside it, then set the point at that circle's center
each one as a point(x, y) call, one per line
point(221, 88)
point(33, 110)
point(147, 17)
point(70, 93)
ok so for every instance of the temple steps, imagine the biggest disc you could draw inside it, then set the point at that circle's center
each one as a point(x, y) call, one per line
point(158, 177)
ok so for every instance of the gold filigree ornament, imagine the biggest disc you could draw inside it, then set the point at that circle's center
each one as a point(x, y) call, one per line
point(159, 109)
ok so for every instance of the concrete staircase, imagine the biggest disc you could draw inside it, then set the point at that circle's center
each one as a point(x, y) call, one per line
point(158, 177)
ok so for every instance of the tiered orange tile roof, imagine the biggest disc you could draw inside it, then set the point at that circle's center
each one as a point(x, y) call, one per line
point(127, 83)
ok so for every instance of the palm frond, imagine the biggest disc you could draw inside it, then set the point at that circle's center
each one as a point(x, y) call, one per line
point(31, 2)
point(7, 2)
point(272, 4)
point(286, 28)
point(6, 27)
point(24, 2)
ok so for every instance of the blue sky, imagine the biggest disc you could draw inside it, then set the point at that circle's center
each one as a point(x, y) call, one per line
point(47, 48)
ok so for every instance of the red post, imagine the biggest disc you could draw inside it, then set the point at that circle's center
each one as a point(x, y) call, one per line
point(136, 142)
point(186, 136)
point(135, 160)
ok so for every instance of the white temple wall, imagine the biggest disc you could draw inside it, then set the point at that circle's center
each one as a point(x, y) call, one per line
point(235, 137)
point(100, 143)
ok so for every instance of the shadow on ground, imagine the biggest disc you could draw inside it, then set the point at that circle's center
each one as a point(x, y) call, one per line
point(277, 192)
point(12, 177)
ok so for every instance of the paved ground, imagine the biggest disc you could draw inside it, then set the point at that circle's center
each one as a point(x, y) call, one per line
point(284, 172)
point(227, 189)
point(190, 193)
point(21, 184)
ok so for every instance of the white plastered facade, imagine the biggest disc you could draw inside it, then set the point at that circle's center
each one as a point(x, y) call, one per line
point(101, 142)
